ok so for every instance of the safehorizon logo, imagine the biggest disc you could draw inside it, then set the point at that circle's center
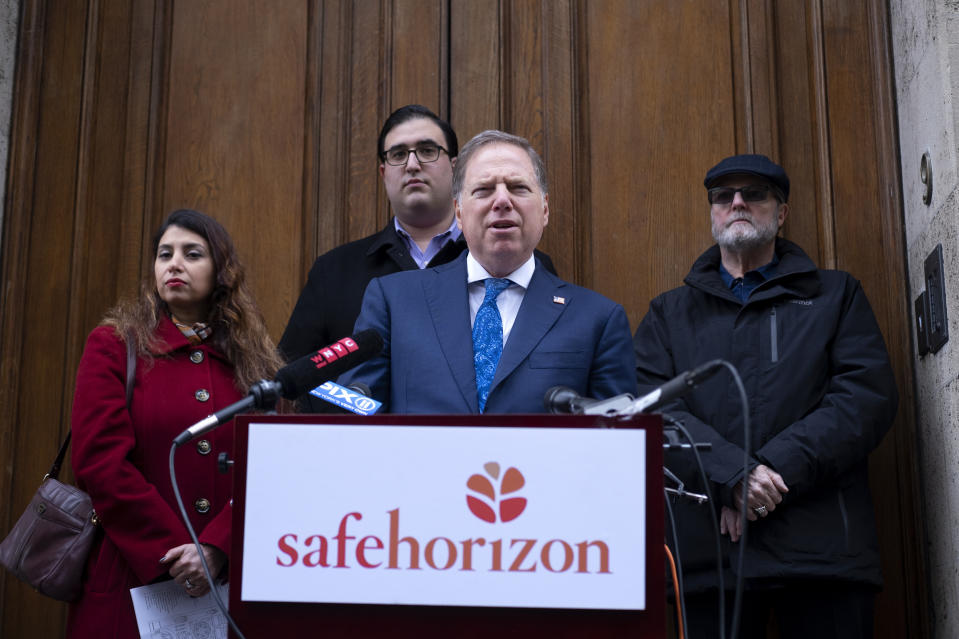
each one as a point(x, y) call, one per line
point(394, 550)
point(510, 508)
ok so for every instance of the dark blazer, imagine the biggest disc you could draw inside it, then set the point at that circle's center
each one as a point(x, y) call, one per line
point(330, 301)
point(563, 335)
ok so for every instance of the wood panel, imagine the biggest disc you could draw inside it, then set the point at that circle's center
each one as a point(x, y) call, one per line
point(266, 115)
point(870, 243)
point(106, 255)
point(235, 122)
point(476, 55)
point(799, 142)
point(661, 112)
point(902, 526)
point(41, 242)
point(416, 62)
point(366, 201)
point(542, 81)
point(327, 141)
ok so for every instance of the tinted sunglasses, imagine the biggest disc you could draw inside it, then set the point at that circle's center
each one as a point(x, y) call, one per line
point(751, 193)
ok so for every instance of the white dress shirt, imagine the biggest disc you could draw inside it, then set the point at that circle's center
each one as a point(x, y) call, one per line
point(509, 300)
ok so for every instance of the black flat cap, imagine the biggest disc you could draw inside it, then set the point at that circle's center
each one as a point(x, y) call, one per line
point(752, 164)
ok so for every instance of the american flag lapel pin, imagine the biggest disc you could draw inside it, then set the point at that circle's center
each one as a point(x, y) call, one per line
point(559, 300)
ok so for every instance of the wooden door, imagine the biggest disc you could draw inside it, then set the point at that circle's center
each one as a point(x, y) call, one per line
point(265, 114)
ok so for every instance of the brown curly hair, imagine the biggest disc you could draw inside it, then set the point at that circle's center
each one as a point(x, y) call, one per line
point(239, 330)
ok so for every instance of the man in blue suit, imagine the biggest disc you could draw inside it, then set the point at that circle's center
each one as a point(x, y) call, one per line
point(493, 330)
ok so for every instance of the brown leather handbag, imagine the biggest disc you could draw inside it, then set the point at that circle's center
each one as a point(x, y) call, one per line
point(49, 545)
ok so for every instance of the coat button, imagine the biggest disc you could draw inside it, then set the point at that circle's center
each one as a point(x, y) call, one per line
point(202, 395)
point(196, 357)
point(202, 505)
point(203, 447)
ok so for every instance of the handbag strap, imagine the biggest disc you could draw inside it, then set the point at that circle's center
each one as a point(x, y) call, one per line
point(131, 369)
point(131, 375)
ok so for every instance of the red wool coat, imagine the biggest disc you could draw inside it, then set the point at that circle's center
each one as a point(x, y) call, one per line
point(121, 459)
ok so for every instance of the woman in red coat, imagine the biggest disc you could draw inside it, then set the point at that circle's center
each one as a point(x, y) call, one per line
point(200, 343)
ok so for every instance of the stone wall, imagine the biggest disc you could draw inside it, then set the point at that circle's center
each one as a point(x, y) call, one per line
point(925, 37)
point(9, 19)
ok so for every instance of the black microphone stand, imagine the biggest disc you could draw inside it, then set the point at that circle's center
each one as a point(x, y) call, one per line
point(263, 396)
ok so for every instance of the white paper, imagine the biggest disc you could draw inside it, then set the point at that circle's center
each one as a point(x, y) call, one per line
point(165, 611)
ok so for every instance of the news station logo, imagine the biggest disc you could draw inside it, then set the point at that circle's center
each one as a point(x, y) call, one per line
point(490, 500)
point(333, 352)
point(347, 398)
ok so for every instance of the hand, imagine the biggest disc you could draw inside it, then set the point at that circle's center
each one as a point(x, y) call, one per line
point(730, 523)
point(765, 487)
point(185, 566)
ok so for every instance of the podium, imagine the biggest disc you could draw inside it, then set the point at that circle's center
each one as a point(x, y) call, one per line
point(445, 526)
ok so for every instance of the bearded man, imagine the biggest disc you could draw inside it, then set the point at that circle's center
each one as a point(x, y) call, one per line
point(821, 396)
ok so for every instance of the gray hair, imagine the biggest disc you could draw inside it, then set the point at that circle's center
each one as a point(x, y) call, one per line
point(495, 137)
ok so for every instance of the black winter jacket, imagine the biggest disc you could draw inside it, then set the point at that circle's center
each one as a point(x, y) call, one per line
point(821, 397)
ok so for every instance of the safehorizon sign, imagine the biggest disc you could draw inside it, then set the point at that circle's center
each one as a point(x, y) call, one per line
point(449, 516)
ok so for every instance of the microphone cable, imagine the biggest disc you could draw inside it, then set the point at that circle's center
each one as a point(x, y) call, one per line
point(747, 439)
point(677, 577)
point(196, 542)
point(680, 610)
point(678, 425)
point(738, 599)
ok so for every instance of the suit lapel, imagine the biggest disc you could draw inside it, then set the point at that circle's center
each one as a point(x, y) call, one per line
point(536, 316)
point(448, 302)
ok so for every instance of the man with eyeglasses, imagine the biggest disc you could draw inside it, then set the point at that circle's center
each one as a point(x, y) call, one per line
point(821, 397)
point(417, 150)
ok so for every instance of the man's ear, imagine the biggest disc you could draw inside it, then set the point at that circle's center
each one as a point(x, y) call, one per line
point(382, 169)
point(783, 214)
point(545, 209)
point(458, 214)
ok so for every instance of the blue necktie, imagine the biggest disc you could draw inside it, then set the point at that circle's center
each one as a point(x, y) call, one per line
point(488, 338)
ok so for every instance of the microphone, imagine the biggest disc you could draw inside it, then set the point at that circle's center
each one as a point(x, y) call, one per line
point(563, 399)
point(328, 363)
point(361, 388)
point(294, 379)
point(676, 387)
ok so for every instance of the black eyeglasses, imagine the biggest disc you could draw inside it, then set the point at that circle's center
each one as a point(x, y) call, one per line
point(398, 156)
point(751, 193)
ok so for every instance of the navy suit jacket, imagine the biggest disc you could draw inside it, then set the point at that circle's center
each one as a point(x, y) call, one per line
point(563, 335)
